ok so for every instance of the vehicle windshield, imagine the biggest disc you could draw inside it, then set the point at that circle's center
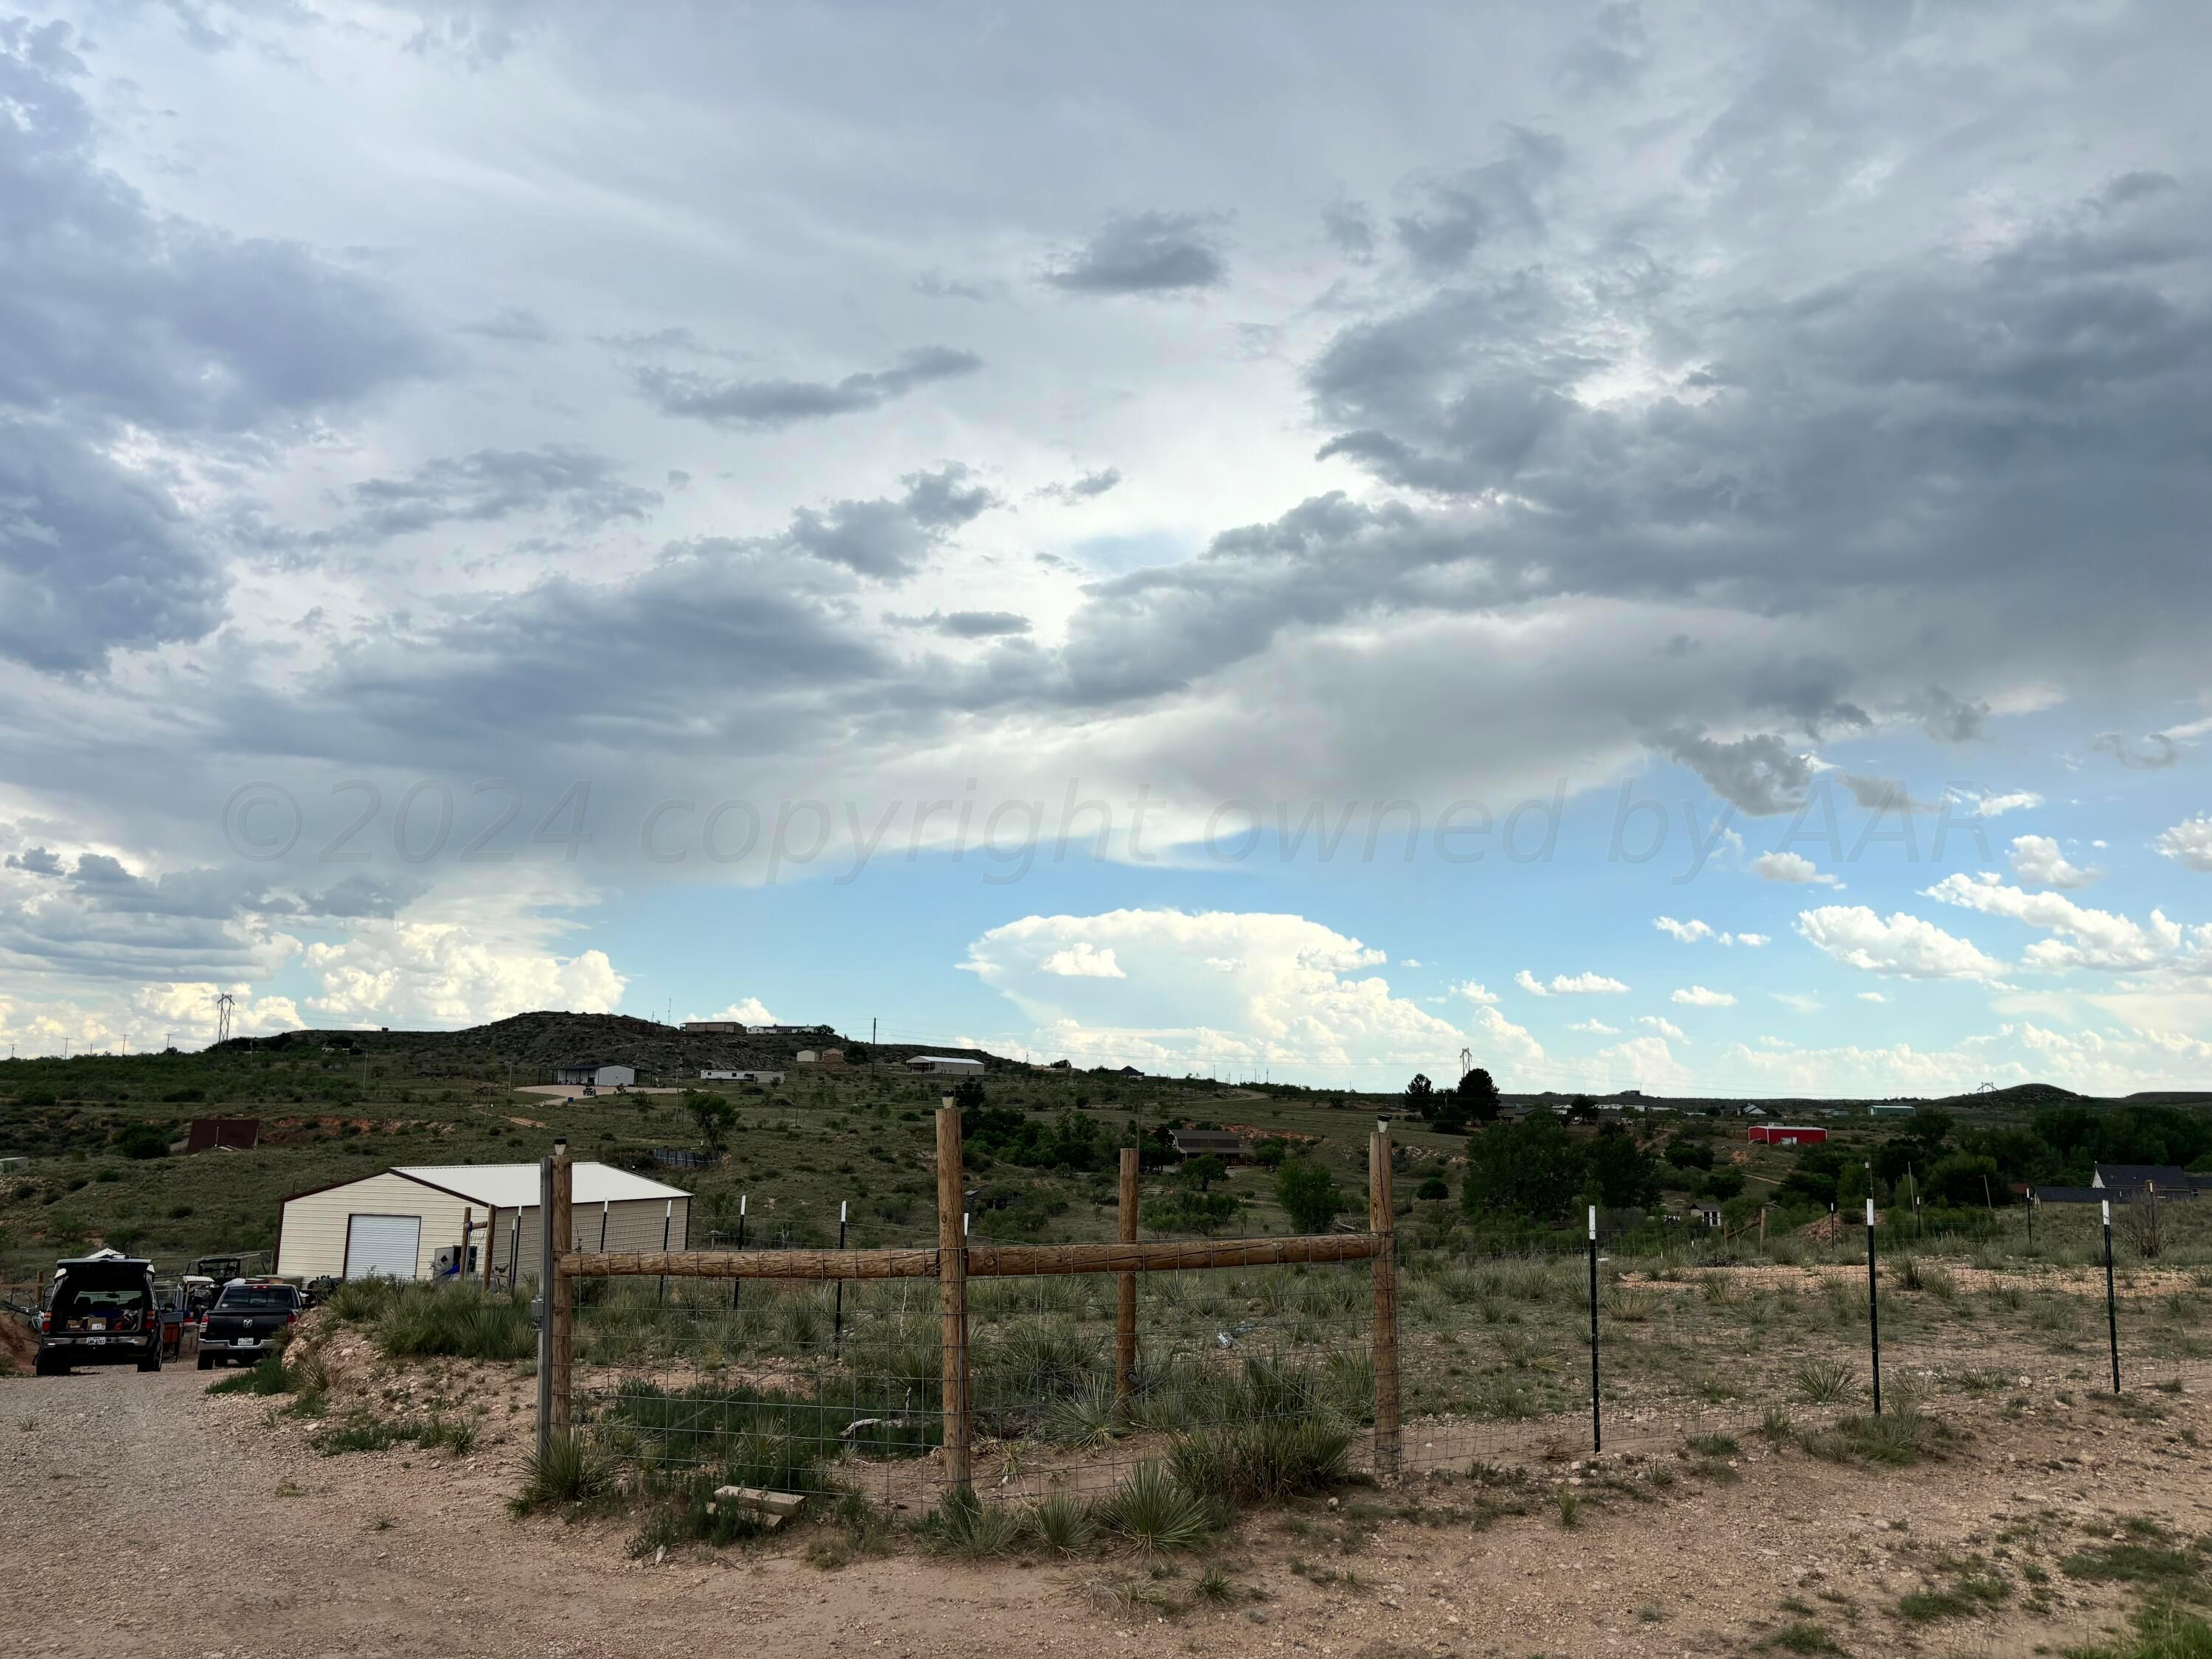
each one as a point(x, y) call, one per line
point(255, 1299)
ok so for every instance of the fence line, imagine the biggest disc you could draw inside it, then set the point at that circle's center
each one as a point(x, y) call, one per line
point(954, 1261)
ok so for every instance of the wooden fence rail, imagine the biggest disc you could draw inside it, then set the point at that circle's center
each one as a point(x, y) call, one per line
point(954, 1261)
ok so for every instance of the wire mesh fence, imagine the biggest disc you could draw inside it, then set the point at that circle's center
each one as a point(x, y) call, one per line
point(1075, 1378)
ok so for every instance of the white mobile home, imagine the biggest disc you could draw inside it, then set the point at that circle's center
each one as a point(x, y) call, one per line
point(766, 1080)
point(598, 1073)
point(954, 1063)
point(410, 1223)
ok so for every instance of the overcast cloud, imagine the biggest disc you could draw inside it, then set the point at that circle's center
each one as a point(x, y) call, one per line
point(1802, 403)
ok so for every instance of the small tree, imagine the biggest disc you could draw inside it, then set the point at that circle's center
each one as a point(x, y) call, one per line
point(1202, 1172)
point(968, 1093)
point(1307, 1194)
point(713, 1115)
point(1421, 1095)
point(1478, 1096)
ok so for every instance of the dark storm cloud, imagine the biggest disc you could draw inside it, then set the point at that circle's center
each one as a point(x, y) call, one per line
point(1760, 773)
point(767, 405)
point(966, 625)
point(1465, 209)
point(1088, 488)
point(1352, 228)
point(2151, 753)
point(492, 484)
point(113, 316)
point(1949, 719)
point(1148, 252)
point(92, 558)
point(35, 860)
point(513, 325)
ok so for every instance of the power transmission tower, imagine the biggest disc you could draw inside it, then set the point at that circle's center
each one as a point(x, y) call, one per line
point(1466, 1061)
point(223, 1004)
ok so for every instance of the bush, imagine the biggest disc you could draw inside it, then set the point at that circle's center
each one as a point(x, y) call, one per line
point(1308, 1195)
point(965, 1525)
point(461, 1320)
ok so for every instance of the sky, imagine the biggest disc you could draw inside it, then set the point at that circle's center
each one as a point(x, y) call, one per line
point(1630, 545)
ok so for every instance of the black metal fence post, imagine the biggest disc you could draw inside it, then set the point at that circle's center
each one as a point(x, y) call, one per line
point(2111, 1299)
point(667, 1226)
point(1873, 1308)
point(1597, 1420)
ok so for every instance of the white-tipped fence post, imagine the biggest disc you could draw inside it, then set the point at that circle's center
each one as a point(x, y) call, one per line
point(1598, 1422)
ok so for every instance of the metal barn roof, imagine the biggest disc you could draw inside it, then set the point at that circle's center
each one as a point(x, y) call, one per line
point(514, 1186)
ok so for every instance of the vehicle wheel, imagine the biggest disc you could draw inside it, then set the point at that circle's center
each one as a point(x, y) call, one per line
point(207, 1362)
point(46, 1367)
point(152, 1364)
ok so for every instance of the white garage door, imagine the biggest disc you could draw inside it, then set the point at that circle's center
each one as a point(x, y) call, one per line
point(384, 1244)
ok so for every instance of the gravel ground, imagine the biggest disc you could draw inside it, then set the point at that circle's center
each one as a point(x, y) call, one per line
point(143, 1517)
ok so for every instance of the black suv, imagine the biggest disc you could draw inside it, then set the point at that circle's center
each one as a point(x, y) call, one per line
point(101, 1312)
point(248, 1319)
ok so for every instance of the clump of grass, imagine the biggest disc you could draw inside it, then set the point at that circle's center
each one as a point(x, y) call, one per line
point(1776, 1426)
point(1714, 1445)
point(2161, 1631)
point(1153, 1511)
point(1824, 1381)
point(1629, 1306)
point(563, 1472)
point(1955, 1600)
point(1803, 1637)
point(1899, 1439)
point(2149, 1555)
point(1571, 1509)
point(266, 1375)
point(1261, 1462)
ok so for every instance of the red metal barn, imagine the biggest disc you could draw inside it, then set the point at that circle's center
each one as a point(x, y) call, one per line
point(1787, 1134)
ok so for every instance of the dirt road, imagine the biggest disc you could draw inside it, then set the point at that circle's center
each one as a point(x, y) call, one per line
point(143, 1517)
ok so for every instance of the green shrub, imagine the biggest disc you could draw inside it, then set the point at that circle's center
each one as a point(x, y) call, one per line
point(563, 1471)
point(1825, 1381)
point(1152, 1510)
point(463, 1321)
point(1062, 1521)
point(965, 1525)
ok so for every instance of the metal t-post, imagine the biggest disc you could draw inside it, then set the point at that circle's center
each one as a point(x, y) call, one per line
point(737, 1285)
point(837, 1330)
point(2112, 1298)
point(1873, 1308)
point(1597, 1422)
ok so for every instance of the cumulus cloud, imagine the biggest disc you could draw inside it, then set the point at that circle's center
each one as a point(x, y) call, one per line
point(443, 975)
point(1145, 254)
point(1088, 488)
point(1872, 996)
point(2188, 843)
point(1594, 1028)
point(1504, 1046)
point(769, 405)
point(1903, 945)
point(2037, 859)
point(1568, 984)
point(747, 1010)
point(2152, 753)
point(1193, 989)
point(1692, 932)
point(1791, 868)
point(1648, 1062)
point(1697, 996)
point(1084, 960)
point(1473, 991)
point(1665, 1027)
point(2086, 938)
point(1992, 806)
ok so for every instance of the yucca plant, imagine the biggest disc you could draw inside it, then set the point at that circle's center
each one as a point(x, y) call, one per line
point(965, 1525)
point(1087, 1419)
point(1152, 1510)
point(563, 1471)
point(1063, 1522)
point(1825, 1381)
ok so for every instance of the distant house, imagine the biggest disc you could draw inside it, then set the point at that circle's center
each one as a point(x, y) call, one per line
point(2127, 1181)
point(2068, 1195)
point(1787, 1134)
point(1124, 1071)
point(765, 1079)
point(963, 1064)
point(1708, 1213)
point(1223, 1144)
point(239, 1134)
point(598, 1073)
point(718, 1027)
point(787, 1031)
point(1892, 1109)
point(821, 1056)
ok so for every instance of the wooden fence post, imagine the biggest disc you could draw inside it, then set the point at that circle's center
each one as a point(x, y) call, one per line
point(560, 1294)
point(1382, 1222)
point(952, 1290)
point(1125, 1303)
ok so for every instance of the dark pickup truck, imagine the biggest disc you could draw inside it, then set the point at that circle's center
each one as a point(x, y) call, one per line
point(248, 1319)
point(101, 1312)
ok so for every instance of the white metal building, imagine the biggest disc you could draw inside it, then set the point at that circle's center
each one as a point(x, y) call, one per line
point(766, 1080)
point(592, 1071)
point(943, 1063)
point(409, 1223)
